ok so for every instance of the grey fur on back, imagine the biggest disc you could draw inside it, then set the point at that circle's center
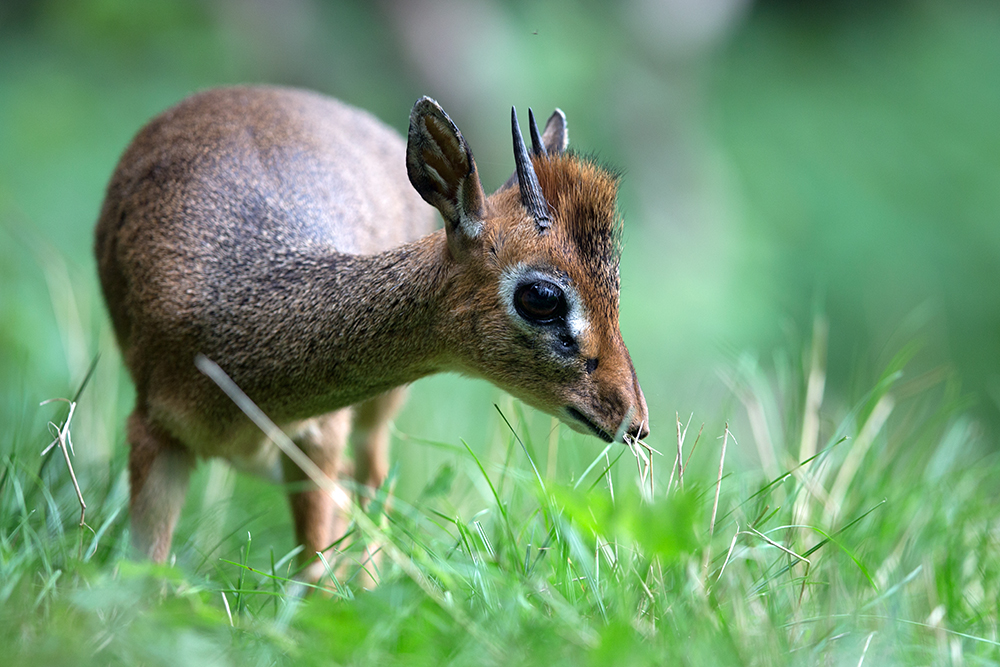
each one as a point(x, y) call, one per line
point(328, 174)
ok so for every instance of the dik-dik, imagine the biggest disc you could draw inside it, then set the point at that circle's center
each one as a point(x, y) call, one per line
point(282, 234)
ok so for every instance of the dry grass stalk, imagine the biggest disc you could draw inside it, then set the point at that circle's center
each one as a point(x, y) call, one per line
point(64, 440)
point(754, 531)
point(679, 462)
point(715, 504)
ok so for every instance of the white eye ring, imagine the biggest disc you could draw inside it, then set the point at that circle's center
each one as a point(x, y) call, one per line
point(518, 275)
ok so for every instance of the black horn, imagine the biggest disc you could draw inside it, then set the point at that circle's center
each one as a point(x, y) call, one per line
point(531, 191)
point(537, 145)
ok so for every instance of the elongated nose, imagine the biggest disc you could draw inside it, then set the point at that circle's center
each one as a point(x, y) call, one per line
point(639, 428)
point(623, 400)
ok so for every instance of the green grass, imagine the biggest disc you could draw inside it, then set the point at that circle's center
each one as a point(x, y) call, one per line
point(847, 159)
point(881, 549)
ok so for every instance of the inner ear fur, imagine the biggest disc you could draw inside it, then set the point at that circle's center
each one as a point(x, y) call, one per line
point(442, 169)
point(555, 136)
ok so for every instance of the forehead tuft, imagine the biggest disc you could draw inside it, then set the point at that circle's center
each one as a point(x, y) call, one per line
point(582, 196)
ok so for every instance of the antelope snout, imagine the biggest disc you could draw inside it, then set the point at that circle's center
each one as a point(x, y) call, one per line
point(626, 402)
point(609, 414)
point(630, 404)
point(639, 428)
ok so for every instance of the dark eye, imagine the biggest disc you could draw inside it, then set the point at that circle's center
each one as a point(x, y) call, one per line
point(540, 302)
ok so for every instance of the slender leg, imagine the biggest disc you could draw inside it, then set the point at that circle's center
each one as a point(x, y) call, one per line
point(318, 521)
point(370, 445)
point(159, 469)
point(370, 439)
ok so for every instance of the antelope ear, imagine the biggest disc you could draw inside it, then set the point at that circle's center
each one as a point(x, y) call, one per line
point(441, 168)
point(555, 137)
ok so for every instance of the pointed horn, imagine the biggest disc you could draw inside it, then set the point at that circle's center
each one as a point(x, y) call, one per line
point(537, 145)
point(531, 191)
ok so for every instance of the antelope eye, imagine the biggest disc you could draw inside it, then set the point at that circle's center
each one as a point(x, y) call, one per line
point(540, 302)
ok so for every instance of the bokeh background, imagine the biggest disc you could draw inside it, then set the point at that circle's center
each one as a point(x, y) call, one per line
point(791, 168)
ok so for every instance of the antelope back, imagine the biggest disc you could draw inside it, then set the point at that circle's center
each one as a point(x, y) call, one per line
point(534, 306)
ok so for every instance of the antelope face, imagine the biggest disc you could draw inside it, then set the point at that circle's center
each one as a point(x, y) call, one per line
point(534, 307)
point(555, 298)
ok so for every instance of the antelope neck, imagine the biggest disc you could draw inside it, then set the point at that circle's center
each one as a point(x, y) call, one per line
point(381, 317)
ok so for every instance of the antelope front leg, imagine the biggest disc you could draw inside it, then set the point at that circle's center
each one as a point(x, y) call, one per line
point(370, 440)
point(317, 516)
point(370, 444)
point(159, 470)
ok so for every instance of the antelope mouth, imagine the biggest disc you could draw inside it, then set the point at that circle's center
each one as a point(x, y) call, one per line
point(583, 420)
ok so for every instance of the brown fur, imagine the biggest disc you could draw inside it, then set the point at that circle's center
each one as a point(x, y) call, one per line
point(275, 232)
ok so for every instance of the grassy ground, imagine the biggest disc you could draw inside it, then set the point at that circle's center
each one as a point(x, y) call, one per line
point(879, 549)
point(846, 157)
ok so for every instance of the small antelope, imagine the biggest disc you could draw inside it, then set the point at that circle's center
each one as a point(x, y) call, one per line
point(282, 234)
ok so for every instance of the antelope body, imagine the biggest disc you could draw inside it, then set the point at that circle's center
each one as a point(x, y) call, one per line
point(283, 235)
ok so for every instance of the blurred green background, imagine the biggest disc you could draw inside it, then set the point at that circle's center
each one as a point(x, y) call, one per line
point(781, 161)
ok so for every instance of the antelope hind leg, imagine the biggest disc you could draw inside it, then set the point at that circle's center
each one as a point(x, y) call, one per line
point(159, 470)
